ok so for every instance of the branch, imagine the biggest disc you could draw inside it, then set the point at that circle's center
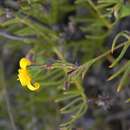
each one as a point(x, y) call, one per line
point(16, 37)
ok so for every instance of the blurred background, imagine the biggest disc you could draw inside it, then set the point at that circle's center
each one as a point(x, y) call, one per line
point(81, 30)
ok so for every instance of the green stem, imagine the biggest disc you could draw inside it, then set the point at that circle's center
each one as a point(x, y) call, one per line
point(108, 25)
point(77, 83)
point(108, 52)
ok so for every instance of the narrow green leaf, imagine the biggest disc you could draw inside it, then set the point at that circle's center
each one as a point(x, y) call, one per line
point(71, 104)
point(68, 97)
point(121, 70)
point(121, 55)
point(124, 34)
point(125, 11)
point(124, 80)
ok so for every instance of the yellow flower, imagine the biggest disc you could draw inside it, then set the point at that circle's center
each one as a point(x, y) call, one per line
point(24, 77)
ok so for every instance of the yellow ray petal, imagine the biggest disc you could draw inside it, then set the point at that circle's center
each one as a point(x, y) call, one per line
point(33, 87)
point(24, 62)
point(24, 77)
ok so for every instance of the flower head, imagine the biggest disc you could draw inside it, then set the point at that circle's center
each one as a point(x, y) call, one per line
point(24, 76)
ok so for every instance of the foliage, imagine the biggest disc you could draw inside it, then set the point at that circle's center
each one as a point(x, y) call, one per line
point(54, 44)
